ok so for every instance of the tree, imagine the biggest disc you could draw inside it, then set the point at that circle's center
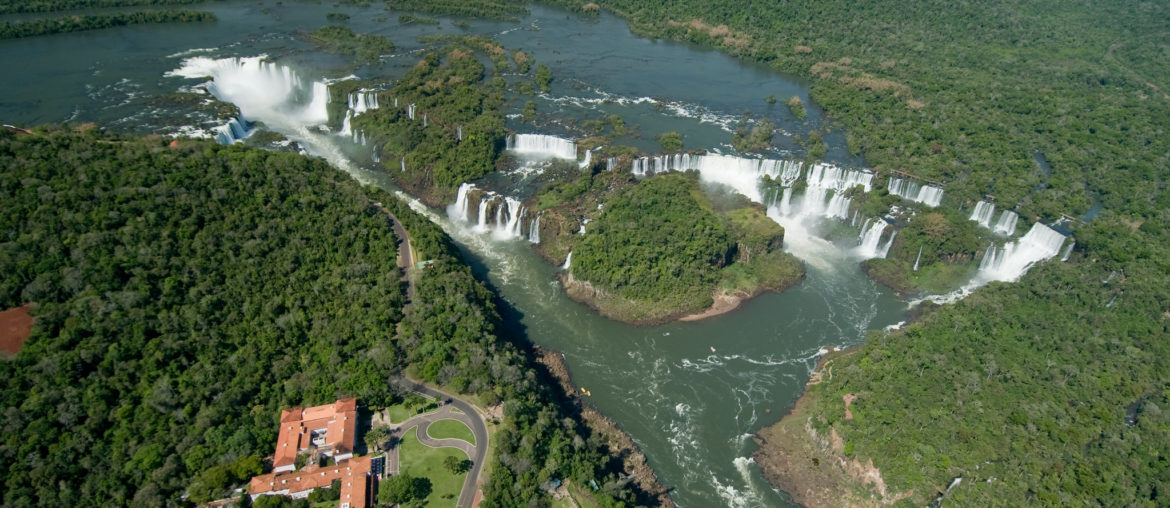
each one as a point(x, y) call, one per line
point(377, 438)
point(671, 141)
point(456, 466)
point(403, 488)
point(543, 77)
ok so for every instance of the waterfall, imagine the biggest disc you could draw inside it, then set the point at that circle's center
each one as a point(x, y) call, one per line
point(410, 111)
point(459, 209)
point(262, 90)
point(508, 216)
point(1068, 251)
point(424, 120)
point(917, 259)
point(346, 125)
point(1013, 259)
point(928, 195)
point(568, 260)
point(235, 130)
point(403, 162)
point(459, 133)
point(885, 251)
point(534, 230)
point(1007, 223)
point(869, 241)
point(396, 102)
point(588, 158)
point(542, 145)
point(983, 213)
point(361, 101)
point(610, 163)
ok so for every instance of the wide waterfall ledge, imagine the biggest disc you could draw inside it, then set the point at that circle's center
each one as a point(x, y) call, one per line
point(542, 145)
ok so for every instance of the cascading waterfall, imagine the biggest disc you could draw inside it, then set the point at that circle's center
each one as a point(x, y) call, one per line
point(235, 130)
point(357, 103)
point(262, 90)
point(534, 230)
point(568, 261)
point(928, 195)
point(1013, 259)
point(983, 213)
point(1007, 223)
point(1068, 251)
point(505, 217)
point(424, 120)
point(917, 259)
point(459, 133)
point(588, 159)
point(869, 241)
point(542, 145)
point(410, 111)
point(610, 163)
point(403, 162)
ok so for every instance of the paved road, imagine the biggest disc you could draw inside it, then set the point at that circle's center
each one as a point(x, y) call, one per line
point(405, 249)
point(469, 416)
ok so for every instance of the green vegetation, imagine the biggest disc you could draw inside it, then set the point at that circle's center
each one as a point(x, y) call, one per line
point(656, 243)
point(670, 141)
point(945, 98)
point(171, 295)
point(796, 107)
point(450, 88)
point(453, 429)
point(543, 77)
point(660, 250)
point(425, 464)
point(749, 137)
point(15, 6)
point(96, 22)
point(337, 17)
point(464, 8)
point(187, 294)
point(407, 19)
point(342, 40)
point(407, 490)
point(1053, 386)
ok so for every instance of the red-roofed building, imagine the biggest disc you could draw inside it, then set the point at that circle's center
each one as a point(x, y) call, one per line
point(330, 428)
point(356, 484)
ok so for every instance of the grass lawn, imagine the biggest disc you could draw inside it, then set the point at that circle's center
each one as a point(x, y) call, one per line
point(425, 462)
point(399, 413)
point(456, 429)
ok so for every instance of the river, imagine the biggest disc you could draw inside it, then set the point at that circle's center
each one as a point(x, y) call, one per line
point(690, 394)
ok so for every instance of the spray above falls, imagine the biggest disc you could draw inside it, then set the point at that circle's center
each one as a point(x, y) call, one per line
point(264, 91)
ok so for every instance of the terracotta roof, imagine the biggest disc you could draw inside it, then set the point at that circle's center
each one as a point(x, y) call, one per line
point(354, 475)
point(338, 421)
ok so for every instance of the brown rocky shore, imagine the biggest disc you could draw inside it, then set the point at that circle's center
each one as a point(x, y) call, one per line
point(633, 461)
point(813, 467)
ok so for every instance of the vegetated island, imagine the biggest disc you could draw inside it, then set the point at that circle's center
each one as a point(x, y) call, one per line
point(662, 250)
point(365, 48)
point(98, 21)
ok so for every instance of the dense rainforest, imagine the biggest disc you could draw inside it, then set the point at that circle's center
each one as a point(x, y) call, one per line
point(663, 249)
point(185, 292)
point(99, 21)
point(1045, 391)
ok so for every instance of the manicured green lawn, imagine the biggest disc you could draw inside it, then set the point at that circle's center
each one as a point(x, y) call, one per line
point(399, 413)
point(455, 429)
point(425, 462)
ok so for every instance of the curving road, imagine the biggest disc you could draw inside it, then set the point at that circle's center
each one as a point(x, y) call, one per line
point(470, 416)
